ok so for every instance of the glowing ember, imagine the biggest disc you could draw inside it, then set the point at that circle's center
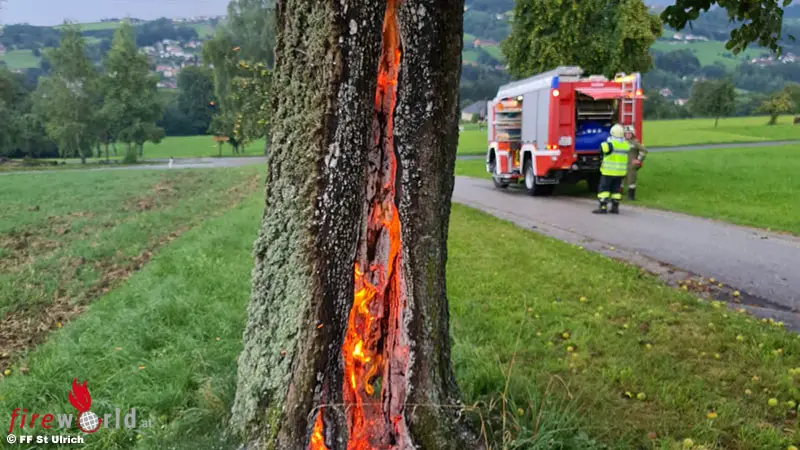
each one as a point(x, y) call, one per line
point(374, 334)
point(317, 439)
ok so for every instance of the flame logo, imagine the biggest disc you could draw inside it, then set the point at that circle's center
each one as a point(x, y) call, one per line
point(79, 397)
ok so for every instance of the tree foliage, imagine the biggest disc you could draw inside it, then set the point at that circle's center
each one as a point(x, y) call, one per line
point(196, 93)
point(761, 21)
point(601, 36)
point(680, 62)
point(713, 98)
point(241, 54)
point(780, 103)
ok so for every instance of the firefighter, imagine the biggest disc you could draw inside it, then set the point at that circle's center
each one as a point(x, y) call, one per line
point(613, 170)
point(636, 157)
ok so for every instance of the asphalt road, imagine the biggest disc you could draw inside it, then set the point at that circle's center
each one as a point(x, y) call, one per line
point(761, 264)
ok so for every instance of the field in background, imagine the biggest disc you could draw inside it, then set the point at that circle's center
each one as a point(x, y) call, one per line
point(709, 52)
point(754, 186)
point(672, 133)
point(166, 341)
point(20, 59)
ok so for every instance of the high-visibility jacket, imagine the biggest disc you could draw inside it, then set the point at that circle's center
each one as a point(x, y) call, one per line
point(615, 158)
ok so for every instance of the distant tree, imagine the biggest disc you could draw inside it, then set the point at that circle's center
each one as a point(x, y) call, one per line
point(196, 92)
point(252, 27)
point(485, 58)
point(250, 98)
point(600, 36)
point(242, 55)
point(780, 103)
point(132, 102)
point(222, 55)
point(680, 62)
point(794, 92)
point(713, 98)
point(714, 71)
point(65, 98)
point(157, 30)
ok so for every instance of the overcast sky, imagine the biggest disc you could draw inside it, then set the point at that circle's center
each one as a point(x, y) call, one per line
point(54, 12)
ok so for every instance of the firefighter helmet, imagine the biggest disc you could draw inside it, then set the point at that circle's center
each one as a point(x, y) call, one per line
point(617, 131)
point(631, 130)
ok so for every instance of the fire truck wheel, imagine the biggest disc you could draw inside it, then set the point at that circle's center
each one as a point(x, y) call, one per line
point(498, 182)
point(530, 182)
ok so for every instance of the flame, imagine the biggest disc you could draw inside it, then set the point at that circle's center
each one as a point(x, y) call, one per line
point(317, 438)
point(376, 289)
point(377, 297)
point(79, 397)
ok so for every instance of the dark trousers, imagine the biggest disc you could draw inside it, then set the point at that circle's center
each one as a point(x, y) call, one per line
point(610, 188)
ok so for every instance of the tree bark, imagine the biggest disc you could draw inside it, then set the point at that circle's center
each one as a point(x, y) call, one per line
point(347, 340)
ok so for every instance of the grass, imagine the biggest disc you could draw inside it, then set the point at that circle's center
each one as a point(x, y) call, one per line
point(59, 252)
point(694, 362)
point(195, 146)
point(166, 343)
point(185, 147)
point(747, 186)
point(20, 59)
point(753, 186)
point(670, 133)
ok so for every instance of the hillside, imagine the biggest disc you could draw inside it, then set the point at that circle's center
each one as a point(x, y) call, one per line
point(175, 43)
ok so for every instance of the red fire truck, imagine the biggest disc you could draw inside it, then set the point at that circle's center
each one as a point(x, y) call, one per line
point(547, 129)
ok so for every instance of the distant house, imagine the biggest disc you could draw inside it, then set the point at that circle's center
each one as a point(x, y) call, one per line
point(2, 49)
point(163, 68)
point(666, 92)
point(484, 43)
point(477, 109)
point(681, 101)
point(688, 37)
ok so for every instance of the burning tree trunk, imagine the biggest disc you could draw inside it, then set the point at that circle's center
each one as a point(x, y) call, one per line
point(347, 345)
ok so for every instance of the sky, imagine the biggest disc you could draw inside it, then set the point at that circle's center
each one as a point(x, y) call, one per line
point(54, 12)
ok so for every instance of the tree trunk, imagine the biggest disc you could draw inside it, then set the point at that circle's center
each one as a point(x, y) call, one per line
point(106, 145)
point(716, 121)
point(141, 150)
point(347, 340)
point(114, 147)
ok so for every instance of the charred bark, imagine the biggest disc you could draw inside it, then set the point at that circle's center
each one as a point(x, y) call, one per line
point(348, 331)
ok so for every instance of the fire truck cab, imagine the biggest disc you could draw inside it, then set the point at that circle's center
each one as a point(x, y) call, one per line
point(547, 129)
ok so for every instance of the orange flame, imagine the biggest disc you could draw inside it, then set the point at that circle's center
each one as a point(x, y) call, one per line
point(375, 292)
point(377, 296)
point(317, 438)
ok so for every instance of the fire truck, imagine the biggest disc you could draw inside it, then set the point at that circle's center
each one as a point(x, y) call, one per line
point(547, 129)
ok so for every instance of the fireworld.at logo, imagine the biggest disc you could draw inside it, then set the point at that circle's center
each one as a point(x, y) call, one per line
point(86, 420)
